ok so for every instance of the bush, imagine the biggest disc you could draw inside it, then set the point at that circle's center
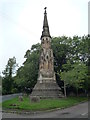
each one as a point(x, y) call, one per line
point(14, 90)
point(4, 92)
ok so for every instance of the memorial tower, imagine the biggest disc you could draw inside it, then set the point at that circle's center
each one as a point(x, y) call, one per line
point(46, 86)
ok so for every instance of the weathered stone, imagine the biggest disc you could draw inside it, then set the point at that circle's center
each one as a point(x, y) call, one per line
point(20, 98)
point(46, 86)
point(34, 98)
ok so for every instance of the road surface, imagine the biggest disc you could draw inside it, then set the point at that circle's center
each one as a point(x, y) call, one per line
point(78, 111)
point(8, 97)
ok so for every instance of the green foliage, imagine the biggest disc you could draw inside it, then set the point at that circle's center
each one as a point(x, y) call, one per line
point(60, 50)
point(8, 81)
point(10, 67)
point(70, 49)
point(0, 80)
point(76, 76)
point(71, 58)
point(27, 74)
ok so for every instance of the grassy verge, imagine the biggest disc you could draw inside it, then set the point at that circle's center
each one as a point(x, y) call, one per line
point(44, 104)
point(0, 104)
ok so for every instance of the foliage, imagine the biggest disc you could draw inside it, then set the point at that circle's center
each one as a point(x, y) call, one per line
point(68, 52)
point(72, 49)
point(0, 80)
point(10, 67)
point(27, 74)
point(0, 85)
point(75, 77)
point(8, 81)
point(60, 50)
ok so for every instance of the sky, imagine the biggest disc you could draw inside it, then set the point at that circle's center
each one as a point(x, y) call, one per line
point(21, 23)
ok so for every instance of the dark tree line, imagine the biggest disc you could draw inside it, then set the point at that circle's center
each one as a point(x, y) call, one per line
point(71, 61)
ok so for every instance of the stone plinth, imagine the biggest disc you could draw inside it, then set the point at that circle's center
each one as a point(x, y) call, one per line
point(47, 88)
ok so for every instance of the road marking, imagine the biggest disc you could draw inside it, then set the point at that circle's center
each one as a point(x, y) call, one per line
point(84, 114)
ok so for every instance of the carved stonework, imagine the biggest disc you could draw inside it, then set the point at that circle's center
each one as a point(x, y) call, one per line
point(46, 86)
point(46, 67)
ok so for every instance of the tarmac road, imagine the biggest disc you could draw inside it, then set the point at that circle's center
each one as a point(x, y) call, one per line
point(8, 97)
point(78, 111)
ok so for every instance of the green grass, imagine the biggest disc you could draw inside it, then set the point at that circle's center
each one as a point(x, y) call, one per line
point(0, 104)
point(44, 104)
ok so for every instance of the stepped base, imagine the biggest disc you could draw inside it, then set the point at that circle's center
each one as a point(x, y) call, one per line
point(47, 90)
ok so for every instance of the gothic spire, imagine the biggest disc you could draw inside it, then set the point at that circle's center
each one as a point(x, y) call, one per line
point(45, 32)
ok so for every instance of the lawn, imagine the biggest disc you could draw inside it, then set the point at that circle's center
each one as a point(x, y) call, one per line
point(43, 104)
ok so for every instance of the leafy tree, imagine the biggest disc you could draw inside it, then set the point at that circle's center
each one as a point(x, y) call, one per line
point(67, 51)
point(0, 80)
point(0, 84)
point(8, 82)
point(27, 74)
point(75, 77)
point(65, 76)
point(60, 50)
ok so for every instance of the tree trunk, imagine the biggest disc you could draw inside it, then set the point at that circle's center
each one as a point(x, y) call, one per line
point(65, 90)
point(86, 93)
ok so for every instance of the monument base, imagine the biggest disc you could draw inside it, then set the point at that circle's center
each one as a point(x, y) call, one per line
point(47, 89)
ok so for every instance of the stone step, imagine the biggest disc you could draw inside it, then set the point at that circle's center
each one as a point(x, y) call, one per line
point(47, 93)
point(47, 90)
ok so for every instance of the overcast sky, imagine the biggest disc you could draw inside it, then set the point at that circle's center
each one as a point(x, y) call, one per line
point(21, 24)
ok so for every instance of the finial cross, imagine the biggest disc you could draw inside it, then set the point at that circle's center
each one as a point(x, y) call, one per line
point(45, 8)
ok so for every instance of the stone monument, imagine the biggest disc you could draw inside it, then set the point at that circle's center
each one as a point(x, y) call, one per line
point(46, 86)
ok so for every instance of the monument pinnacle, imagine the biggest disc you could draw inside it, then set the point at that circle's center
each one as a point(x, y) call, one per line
point(45, 10)
point(45, 32)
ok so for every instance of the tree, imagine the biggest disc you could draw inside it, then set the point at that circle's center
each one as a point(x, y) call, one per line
point(0, 84)
point(7, 82)
point(75, 77)
point(72, 50)
point(27, 74)
point(65, 75)
point(60, 51)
